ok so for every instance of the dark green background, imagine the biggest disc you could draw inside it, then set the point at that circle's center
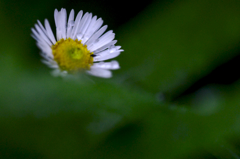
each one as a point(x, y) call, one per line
point(177, 94)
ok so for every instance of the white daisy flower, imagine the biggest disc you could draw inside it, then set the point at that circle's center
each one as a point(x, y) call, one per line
point(80, 44)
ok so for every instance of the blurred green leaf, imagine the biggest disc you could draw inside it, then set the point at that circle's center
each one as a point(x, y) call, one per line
point(178, 132)
point(171, 46)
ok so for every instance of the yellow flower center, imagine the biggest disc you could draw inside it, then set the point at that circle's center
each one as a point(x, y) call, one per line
point(71, 55)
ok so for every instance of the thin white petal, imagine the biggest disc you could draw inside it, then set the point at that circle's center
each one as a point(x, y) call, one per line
point(70, 23)
point(38, 38)
point(63, 23)
point(75, 27)
point(43, 29)
point(100, 72)
point(51, 64)
point(112, 43)
point(103, 40)
point(57, 72)
point(90, 30)
point(49, 31)
point(106, 56)
point(61, 18)
point(95, 36)
point(46, 49)
point(94, 29)
point(56, 18)
point(42, 35)
point(84, 25)
point(46, 58)
point(113, 49)
point(113, 65)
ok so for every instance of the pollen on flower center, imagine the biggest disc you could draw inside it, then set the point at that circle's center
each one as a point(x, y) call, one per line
point(71, 55)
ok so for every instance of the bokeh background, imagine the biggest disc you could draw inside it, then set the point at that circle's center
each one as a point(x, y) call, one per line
point(177, 94)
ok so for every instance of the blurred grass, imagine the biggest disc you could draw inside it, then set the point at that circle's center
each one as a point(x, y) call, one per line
point(168, 47)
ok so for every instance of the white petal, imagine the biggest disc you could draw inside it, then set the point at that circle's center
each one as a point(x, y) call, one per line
point(49, 31)
point(84, 25)
point(55, 17)
point(113, 65)
point(113, 49)
point(100, 72)
point(70, 23)
point(103, 40)
point(39, 38)
point(95, 36)
point(46, 49)
point(46, 57)
point(43, 29)
point(93, 30)
point(42, 35)
point(60, 21)
point(64, 23)
point(75, 27)
point(106, 56)
point(90, 30)
point(51, 64)
point(57, 72)
point(112, 43)
point(110, 50)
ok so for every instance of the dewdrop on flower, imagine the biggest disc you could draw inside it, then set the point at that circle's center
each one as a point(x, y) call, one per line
point(80, 44)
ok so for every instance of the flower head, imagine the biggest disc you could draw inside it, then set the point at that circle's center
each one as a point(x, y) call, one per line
point(80, 44)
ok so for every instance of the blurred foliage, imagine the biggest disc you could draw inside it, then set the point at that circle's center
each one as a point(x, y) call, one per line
point(146, 110)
